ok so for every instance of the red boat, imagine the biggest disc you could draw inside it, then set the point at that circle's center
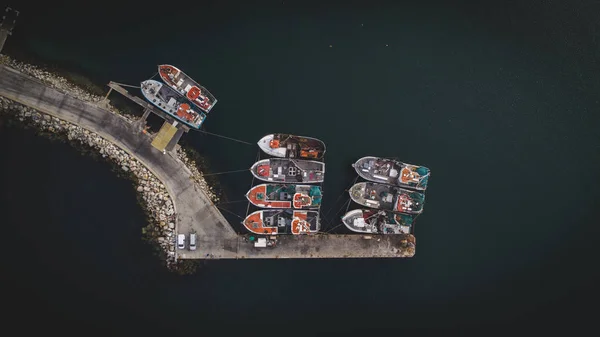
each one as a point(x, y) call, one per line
point(187, 87)
point(285, 196)
point(283, 221)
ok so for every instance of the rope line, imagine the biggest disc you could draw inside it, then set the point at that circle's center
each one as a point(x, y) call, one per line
point(127, 85)
point(344, 204)
point(228, 211)
point(235, 140)
point(338, 199)
point(334, 228)
point(214, 174)
point(232, 202)
point(252, 183)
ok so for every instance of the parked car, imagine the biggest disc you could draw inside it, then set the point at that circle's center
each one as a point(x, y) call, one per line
point(181, 241)
point(192, 241)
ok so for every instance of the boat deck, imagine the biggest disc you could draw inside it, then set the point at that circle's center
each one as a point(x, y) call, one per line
point(282, 221)
point(376, 222)
point(185, 86)
point(387, 197)
point(392, 172)
point(290, 170)
point(171, 102)
point(379, 196)
point(297, 147)
point(216, 238)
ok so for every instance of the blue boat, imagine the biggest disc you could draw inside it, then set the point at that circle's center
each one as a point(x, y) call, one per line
point(171, 102)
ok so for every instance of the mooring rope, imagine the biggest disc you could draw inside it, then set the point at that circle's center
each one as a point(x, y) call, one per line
point(338, 199)
point(235, 140)
point(214, 174)
point(232, 202)
point(127, 85)
point(228, 211)
point(329, 230)
point(252, 183)
point(344, 204)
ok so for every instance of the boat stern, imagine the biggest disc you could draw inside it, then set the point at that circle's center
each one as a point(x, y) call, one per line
point(255, 224)
point(357, 192)
point(264, 142)
point(362, 167)
point(271, 146)
point(348, 219)
point(149, 89)
point(260, 169)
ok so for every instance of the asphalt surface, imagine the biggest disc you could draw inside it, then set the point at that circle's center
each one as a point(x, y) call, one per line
point(216, 239)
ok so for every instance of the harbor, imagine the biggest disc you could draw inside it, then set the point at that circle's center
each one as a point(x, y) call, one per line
point(505, 93)
point(195, 211)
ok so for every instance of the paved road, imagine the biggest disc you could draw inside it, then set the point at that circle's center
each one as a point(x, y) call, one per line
point(195, 211)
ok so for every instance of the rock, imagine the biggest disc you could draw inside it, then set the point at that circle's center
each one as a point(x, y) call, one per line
point(159, 205)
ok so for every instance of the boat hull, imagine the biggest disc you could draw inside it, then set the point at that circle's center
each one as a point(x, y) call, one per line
point(286, 170)
point(290, 146)
point(387, 198)
point(187, 87)
point(282, 221)
point(285, 196)
point(370, 221)
point(393, 172)
point(169, 101)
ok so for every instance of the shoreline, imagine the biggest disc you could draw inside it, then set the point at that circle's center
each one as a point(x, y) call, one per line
point(102, 129)
point(152, 195)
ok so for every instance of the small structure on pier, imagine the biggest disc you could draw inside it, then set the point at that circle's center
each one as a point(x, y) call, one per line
point(169, 133)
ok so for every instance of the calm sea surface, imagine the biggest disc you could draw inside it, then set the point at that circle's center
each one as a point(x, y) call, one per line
point(502, 103)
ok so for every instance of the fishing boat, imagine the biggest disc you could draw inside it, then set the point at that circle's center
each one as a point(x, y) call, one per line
point(169, 101)
point(282, 221)
point(287, 170)
point(387, 197)
point(187, 87)
point(289, 146)
point(285, 196)
point(393, 172)
point(374, 221)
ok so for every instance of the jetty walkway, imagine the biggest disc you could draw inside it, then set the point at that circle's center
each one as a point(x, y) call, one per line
point(195, 211)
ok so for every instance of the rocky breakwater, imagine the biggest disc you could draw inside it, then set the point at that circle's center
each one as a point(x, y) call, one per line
point(60, 83)
point(153, 196)
point(197, 175)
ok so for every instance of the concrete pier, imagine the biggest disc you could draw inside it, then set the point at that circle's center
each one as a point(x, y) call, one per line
point(195, 211)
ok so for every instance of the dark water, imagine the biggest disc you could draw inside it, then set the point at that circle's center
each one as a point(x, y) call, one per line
point(500, 102)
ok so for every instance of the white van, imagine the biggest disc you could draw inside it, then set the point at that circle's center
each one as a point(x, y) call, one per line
point(192, 241)
point(181, 241)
